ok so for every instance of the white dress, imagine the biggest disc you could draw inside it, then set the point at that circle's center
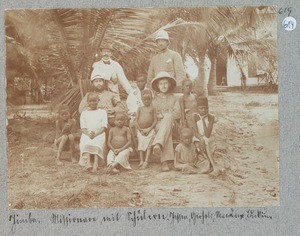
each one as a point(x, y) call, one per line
point(92, 120)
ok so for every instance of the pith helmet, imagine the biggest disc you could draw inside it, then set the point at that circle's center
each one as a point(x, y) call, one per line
point(163, 75)
point(162, 34)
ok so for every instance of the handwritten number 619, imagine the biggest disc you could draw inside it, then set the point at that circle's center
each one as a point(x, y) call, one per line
point(284, 10)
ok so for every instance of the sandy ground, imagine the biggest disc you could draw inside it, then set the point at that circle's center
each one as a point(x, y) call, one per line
point(248, 153)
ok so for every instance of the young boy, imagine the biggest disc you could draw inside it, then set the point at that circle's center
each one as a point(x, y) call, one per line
point(187, 159)
point(203, 127)
point(133, 102)
point(119, 141)
point(188, 104)
point(65, 129)
point(145, 123)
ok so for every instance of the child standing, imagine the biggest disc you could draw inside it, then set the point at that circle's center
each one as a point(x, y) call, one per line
point(65, 129)
point(119, 141)
point(145, 123)
point(203, 127)
point(133, 102)
point(93, 123)
point(188, 104)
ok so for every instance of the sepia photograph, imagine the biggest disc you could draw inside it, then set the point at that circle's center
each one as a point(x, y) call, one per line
point(81, 84)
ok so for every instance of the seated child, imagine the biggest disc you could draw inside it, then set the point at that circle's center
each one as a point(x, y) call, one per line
point(119, 141)
point(65, 129)
point(145, 123)
point(187, 159)
point(203, 127)
point(93, 123)
point(188, 104)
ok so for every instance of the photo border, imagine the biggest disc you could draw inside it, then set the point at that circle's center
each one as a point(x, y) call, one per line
point(284, 219)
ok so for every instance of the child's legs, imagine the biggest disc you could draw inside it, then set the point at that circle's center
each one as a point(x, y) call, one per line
point(133, 134)
point(61, 143)
point(88, 160)
point(141, 157)
point(96, 163)
point(148, 151)
point(72, 144)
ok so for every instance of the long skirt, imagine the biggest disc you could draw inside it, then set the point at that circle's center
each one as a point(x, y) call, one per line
point(91, 146)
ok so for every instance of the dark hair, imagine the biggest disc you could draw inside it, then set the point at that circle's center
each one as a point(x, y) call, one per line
point(186, 81)
point(121, 113)
point(202, 101)
point(186, 130)
point(146, 91)
point(92, 94)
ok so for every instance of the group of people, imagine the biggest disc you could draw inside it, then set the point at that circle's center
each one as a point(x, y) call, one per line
point(111, 130)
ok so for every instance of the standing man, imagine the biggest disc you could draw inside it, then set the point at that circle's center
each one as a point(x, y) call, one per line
point(166, 60)
point(111, 70)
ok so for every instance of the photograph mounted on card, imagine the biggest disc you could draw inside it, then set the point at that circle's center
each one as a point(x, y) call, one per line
point(142, 107)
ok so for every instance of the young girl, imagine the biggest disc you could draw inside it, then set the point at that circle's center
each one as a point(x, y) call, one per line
point(119, 141)
point(108, 101)
point(145, 123)
point(203, 127)
point(187, 159)
point(93, 123)
point(65, 129)
point(188, 104)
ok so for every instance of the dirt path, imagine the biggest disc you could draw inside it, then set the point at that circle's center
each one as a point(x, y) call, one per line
point(247, 139)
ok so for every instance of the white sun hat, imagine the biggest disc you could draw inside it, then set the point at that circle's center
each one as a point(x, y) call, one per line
point(162, 34)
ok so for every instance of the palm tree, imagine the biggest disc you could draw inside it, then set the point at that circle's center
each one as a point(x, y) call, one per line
point(234, 33)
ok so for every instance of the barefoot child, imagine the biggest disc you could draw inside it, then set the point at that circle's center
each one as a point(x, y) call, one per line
point(65, 129)
point(133, 102)
point(188, 104)
point(93, 123)
point(187, 159)
point(203, 127)
point(145, 123)
point(119, 141)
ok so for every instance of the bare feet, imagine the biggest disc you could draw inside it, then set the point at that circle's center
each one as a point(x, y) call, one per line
point(115, 171)
point(215, 173)
point(157, 150)
point(58, 162)
point(144, 166)
point(165, 166)
point(141, 163)
point(94, 170)
point(109, 169)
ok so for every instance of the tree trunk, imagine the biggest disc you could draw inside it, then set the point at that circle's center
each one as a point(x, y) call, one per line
point(212, 82)
point(200, 86)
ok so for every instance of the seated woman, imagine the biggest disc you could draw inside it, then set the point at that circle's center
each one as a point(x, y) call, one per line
point(167, 108)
